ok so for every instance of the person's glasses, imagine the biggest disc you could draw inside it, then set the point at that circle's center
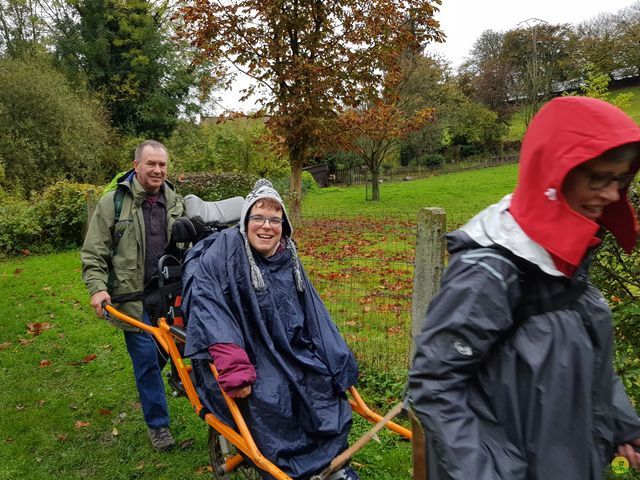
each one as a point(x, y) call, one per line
point(599, 181)
point(260, 220)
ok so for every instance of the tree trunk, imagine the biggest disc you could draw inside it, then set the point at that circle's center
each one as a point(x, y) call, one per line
point(375, 185)
point(296, 157)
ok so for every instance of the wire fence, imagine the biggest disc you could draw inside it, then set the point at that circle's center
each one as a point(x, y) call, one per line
point(363, 270)
point(362, 175)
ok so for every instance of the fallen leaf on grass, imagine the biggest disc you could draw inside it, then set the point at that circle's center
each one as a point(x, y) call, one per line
point(4, 345)
point(25, 341)
point(21, 407)
point(62, 437)
point(45, 363)
point(114, 432)
point(204, 469)
point(81, 424)
point(18, 271)
point(104, 411)
point(84, 361)
point(38, 327)
point(139, 466)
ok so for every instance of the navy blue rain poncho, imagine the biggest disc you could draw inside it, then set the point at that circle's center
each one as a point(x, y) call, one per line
point(297, 412)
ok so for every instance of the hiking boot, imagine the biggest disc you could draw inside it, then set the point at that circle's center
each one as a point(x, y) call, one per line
point(161, 439)
point(346, 473)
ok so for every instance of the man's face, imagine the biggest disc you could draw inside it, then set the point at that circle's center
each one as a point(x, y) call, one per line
point(593, 185)
point(151, 168)
point(264, 236)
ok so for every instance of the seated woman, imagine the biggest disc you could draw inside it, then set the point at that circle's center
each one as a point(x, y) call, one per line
point(251, 309)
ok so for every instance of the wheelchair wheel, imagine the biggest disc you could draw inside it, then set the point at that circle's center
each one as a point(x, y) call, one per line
point(216, 458)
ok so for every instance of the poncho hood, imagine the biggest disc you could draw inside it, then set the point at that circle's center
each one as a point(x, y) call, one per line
point(565, 133)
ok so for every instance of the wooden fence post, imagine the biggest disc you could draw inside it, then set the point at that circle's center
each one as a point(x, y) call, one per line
point(429, 263)
point(428, 267)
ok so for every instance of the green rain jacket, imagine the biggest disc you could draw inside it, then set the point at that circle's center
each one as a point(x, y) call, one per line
point(113, 252)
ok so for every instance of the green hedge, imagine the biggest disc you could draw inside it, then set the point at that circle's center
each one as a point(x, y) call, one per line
point(211, 186)
point(53, 220)
point(57, 218)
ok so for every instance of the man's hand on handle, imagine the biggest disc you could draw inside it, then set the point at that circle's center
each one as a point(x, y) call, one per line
point(98, 299)
point(631, 451)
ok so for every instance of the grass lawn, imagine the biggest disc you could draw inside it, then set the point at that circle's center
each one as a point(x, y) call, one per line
point(69, 398)
point(461, 195)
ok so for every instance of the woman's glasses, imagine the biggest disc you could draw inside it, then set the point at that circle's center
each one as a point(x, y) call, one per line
point(260, 220)
point(601, 180)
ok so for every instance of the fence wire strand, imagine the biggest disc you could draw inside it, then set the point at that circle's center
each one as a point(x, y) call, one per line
point(363, 270)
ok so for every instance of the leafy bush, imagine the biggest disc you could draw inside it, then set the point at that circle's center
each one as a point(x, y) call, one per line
point(48, 131)
point(617, 275)
point(19, 226)
point(63, 215)
point(431, 160)
point(309, 183)
point(214, 186)
point(241, 144)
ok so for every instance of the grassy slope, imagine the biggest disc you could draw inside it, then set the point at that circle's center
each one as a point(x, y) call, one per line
point(461, 195)
point(516, 127)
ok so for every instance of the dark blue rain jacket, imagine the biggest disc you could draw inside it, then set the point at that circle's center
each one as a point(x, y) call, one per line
point(297, 412)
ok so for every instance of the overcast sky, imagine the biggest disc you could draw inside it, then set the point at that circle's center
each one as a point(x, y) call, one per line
point(463, 21)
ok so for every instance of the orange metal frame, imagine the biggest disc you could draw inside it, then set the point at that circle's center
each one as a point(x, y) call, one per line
point(242, 438)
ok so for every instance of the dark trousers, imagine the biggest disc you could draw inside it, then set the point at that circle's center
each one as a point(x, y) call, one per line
point(148, 362)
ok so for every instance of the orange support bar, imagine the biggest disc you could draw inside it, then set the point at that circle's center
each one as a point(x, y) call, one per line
point(362, 409)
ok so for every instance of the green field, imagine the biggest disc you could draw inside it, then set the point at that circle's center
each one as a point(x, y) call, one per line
point(461, 195)
point(517, 127)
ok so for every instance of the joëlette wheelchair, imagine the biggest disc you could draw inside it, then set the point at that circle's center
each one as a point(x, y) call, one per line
point(228, 447)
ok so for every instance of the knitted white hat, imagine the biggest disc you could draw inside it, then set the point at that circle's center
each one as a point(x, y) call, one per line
point(264, 189)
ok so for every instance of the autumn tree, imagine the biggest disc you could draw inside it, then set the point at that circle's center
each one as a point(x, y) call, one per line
point(310, 59)
point(376, 130)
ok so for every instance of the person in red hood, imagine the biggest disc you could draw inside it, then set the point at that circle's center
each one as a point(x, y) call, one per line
point(513, 372)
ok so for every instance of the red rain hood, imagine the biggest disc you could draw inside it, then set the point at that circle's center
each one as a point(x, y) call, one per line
point(566, 132)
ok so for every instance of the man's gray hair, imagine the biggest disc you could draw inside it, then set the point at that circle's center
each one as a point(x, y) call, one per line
point(149, 143)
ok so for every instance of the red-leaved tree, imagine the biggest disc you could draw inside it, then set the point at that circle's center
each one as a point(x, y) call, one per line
point(310, 59)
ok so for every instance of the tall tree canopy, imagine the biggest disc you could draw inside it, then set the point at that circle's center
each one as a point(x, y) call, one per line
point(125, 52)
point(310, 58)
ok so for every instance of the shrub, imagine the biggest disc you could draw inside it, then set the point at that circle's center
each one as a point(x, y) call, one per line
point(431, 160)
point(617, 275)
point(19, 226)
point(309, 183)
point(48, 130)
point(214, 186)
point(62, 213)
